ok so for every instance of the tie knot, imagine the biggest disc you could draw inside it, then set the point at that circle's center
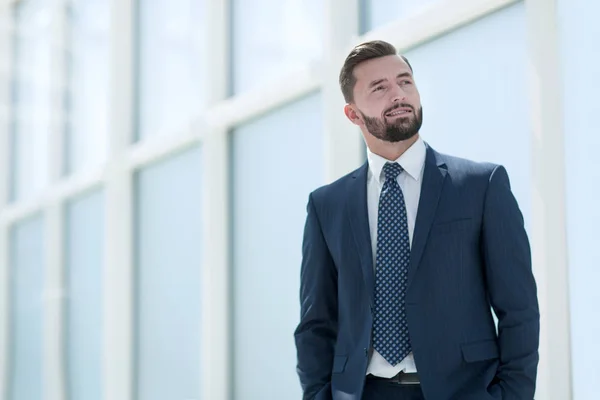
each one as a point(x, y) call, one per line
point(392, 170)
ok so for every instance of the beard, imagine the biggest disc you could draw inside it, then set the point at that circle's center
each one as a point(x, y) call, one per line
point(400, 129)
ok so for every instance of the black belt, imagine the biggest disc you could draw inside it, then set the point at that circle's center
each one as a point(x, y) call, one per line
point(402, 378)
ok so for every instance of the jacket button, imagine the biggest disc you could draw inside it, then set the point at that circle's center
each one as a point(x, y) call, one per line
point(366, 351)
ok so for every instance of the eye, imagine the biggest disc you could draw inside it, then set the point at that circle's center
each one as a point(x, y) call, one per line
point(378, 88)
point(406, 82)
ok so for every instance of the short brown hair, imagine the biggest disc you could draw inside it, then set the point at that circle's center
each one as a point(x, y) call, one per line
point(361, 53)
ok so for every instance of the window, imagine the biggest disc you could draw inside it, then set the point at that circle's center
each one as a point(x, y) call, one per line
point(27, 277)
point(169, 254)
point(579, 38)
point(272, 38)
point(32, 93)
point(84, 256)
point(476, 106)
point(171, 64)
point(375, 13)
point(277, 162)
point(89, 83)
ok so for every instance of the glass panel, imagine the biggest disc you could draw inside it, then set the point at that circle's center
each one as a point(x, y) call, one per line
point(171, 65)
point(32, 90)
point(169, 255)
point(579, 38)
point(274, 37)
point(27, 277)
point(89, 82)
point(276, 164)
point(375, 13)
point(477, 105)
point(84, 256)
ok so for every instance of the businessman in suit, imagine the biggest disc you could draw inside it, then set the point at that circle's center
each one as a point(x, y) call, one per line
point(404, 258)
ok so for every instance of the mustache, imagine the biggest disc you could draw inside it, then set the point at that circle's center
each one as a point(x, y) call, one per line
point(399, 105)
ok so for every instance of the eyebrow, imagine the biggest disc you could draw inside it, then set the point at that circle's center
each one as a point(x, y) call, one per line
point(400, 75)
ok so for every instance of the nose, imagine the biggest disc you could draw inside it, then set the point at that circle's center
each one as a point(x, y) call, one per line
point(398, 94)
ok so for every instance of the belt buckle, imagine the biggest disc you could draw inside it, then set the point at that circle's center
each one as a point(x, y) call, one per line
point(404, 378)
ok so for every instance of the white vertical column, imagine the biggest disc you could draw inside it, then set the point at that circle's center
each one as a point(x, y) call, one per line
point(53, 360)
point(118, 285)
point(4, 310)
point(53, 337)
point(118, 289)
point(549, 245)
point(216, 292)
point(5, 63)
point(343, 140)
point(6, 37)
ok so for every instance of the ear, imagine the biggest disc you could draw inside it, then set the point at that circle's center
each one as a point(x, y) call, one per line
point(353, 115)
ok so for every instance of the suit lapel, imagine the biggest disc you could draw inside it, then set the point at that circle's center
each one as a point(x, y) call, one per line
point(359, 222)
point(434, 175)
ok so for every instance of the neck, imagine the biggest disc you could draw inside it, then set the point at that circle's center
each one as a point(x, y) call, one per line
point(390, 151)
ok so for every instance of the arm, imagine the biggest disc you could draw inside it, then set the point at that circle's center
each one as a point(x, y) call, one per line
point(317, 331)
point(512, 288)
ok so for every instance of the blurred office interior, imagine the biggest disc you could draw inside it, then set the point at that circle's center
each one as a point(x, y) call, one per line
point(156, 158)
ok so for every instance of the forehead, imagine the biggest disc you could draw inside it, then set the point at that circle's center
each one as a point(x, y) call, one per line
point(379, 68)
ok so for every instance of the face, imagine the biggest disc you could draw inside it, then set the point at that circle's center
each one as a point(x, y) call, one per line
point(386, 100)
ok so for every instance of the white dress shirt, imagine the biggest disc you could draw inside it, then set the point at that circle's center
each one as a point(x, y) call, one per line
point(413, 162)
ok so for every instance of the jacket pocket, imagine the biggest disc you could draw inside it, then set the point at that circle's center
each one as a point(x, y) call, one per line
point(480, 351)
point(339, 364)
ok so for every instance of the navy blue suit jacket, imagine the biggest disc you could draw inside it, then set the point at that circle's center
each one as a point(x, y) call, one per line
point(470, 253)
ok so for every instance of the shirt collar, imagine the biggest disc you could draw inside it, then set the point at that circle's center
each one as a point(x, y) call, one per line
point(412, 161)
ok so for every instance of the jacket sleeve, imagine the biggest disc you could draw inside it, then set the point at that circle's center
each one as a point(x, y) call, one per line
point(512, 288)
point(316, 332)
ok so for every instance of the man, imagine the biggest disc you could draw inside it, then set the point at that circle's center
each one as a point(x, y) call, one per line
point(404, 258)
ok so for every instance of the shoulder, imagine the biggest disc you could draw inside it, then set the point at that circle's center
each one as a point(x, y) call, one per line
point(338, 190)
point(460, 168)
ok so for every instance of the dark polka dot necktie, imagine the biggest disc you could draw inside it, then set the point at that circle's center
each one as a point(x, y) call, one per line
point(390, 330)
